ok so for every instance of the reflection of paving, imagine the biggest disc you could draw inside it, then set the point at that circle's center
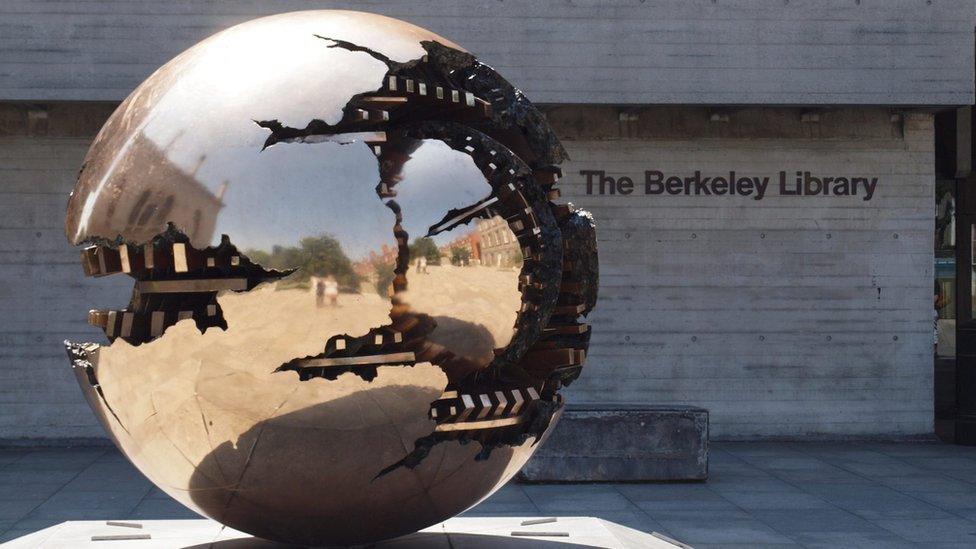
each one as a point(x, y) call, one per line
point(759, 494)
point(458, 296)
point(464, 298)
point(475, 308)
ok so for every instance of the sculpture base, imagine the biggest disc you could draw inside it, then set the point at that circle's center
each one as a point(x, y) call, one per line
point(465, 532)
point(624, 444)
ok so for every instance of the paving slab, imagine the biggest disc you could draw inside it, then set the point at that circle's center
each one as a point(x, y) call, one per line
point(876, 501)
point(559, 498)
point(792, 499)
point(796, 522)
point(768, 494)
point(10, 455)
point(662, 497)
point(954, 530)
point(696, 530)
point(855, 540)
point(765, 483)
point(927, 483)
point(748, 546)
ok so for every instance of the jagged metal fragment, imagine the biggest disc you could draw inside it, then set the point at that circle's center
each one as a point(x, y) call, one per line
point(83, 357)
point(173, 281)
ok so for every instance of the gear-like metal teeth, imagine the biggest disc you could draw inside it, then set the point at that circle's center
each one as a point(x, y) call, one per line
point(520, 200)
point(174, 281)
point(164, 258)
point(512, 113)
point(147, 325)
point(399, 89)
point(455, 410)
point(561, 350)
point(533, 421)
point(410, 93)
point(397, 344)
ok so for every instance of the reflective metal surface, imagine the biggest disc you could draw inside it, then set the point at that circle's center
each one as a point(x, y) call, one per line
point(353, 302)
point(193, 123)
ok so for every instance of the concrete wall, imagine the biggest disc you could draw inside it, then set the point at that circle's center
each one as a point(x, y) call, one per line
point(786, 316)
point(44, 296)
point(560, 51)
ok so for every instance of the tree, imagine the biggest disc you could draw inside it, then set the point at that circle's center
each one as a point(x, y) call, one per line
point(323, 256)
point(314, 256)
point(260, 257)
point(384, 277)
point(460, 255)
point(425, 247)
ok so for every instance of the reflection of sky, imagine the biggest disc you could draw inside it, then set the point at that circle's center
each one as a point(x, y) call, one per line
point(311, 189)
point(219, 95)
point(281, 194)
point(293, 190)
point(436, 180)
point(285, 192)
point(289, 191)
point(297, 190)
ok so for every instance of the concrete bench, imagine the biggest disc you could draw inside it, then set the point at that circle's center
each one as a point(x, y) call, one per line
point(624, 444)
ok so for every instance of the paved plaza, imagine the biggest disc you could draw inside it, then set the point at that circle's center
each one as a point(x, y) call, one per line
point(759, 495)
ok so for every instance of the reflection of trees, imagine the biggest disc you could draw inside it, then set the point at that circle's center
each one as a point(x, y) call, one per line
point(459, 255)
point(384, 276)
point(425, 247)
point(314, 256)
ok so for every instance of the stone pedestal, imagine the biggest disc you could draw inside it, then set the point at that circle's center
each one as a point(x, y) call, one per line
point(624, 444)
point(460, 533)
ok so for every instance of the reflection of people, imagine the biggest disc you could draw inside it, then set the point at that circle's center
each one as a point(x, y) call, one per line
point(332, 290)
point(422, 265)
point(319, 292)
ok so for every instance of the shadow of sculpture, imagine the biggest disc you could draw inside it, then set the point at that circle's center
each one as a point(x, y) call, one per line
point(420, 540)
point(309, 476)
point(463, 338)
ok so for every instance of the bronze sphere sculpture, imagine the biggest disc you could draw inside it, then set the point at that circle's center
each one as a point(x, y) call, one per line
point(354, 301)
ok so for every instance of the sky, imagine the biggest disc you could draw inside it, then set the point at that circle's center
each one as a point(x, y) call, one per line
point(288, 191)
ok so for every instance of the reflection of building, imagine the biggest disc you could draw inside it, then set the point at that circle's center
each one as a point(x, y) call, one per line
point(169, 194)
point(470, 241)
point(499, 247)
point(366, 267)
point(387, 256)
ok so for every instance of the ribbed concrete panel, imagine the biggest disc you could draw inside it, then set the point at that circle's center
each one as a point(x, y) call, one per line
point(910, 52)
point(786, 316)
point(44, 296)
